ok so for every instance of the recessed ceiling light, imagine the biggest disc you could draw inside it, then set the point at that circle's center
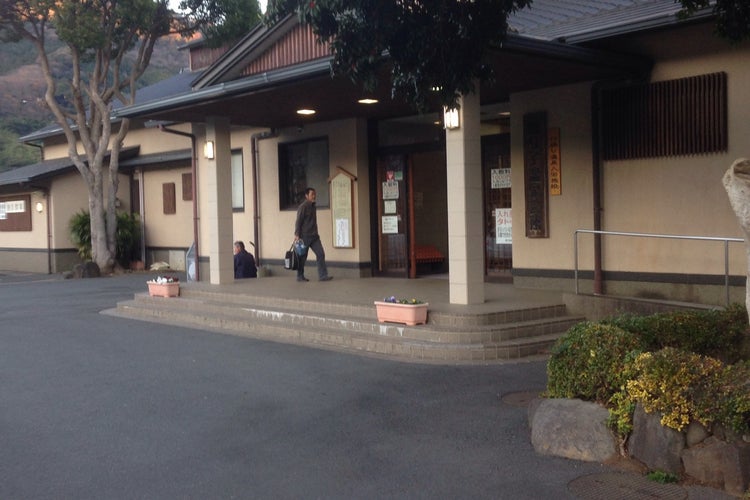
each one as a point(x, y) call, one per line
point(504, 113)
point(305, 111)
point(368, 100)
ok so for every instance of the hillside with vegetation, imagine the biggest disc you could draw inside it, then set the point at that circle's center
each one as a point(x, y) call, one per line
point(22, 88)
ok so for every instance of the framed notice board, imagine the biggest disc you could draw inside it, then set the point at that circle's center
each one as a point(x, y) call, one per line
point(342, 209)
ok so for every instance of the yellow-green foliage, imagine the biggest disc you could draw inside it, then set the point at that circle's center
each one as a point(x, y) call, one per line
point(685, 386)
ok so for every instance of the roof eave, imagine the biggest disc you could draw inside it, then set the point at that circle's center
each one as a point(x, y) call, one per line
point(249, 84)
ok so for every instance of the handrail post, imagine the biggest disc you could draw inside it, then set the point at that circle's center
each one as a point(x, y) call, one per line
point(726, 269)
point(575, 258)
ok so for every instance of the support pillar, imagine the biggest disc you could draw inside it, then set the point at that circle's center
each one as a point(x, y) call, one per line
point(465, 227)
point(217, 219)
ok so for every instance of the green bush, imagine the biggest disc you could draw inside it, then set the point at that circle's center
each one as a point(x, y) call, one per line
point(590, 362)
point(716, 333)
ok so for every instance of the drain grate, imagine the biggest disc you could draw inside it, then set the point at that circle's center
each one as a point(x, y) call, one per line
point(619, 486)
point(520, 399)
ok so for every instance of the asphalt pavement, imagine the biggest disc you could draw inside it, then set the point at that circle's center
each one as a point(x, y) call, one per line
point(99, 407)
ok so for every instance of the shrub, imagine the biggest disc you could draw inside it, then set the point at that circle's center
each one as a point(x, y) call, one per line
point(590, 362)
point(127, 236)
point(716, 333)
point(686, 386)
point(80, 233)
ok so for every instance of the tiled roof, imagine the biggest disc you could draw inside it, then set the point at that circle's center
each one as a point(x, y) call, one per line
point(587, 19)
point(47, 168)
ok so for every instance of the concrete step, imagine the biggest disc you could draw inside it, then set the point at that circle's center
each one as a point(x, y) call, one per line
point(355, 328)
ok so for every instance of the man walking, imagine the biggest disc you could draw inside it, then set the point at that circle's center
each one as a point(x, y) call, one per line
point(306, 229)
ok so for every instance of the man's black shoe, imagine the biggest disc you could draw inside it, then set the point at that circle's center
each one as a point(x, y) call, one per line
point(302, 278)
point(326, 278)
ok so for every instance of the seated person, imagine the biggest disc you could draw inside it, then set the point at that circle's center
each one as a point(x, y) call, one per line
point(244, 262)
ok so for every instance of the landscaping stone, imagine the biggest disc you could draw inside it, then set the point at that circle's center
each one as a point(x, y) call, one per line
point(719, 464)
point(696, 433)
point(86, 270)
point(572, 428)
point(655, 445)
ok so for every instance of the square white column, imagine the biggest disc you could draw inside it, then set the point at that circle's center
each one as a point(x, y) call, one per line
point(217, 218)
point(465, 212)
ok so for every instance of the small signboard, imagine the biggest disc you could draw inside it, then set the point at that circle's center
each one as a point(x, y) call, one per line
point(342, 210)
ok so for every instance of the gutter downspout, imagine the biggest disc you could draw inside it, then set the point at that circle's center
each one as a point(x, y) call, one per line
point(255, 162)
point(596, 177)
point(194, 174)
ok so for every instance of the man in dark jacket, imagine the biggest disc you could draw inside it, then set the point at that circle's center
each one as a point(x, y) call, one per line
point(306, 235)
point(244, 262)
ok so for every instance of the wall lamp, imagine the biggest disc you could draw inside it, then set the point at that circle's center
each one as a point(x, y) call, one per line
point(208, 150)
point(39, 206)
point(450, 118)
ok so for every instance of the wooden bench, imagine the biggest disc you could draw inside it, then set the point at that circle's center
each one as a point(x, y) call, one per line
point(428, 254)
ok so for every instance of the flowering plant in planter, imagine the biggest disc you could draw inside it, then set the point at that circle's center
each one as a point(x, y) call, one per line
point(164, 286)
point(408, 311)
point(394, 300)
point(164, 279)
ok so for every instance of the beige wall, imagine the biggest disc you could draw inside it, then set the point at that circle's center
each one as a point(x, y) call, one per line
point(568, 109)
point(677, 196)
point(166, 230)
point(682, 195)
point(37, 237)
point(347, 147)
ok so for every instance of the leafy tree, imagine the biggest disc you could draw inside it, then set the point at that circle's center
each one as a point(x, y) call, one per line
point(110, 44)
point(732, 16)
point(437, 48)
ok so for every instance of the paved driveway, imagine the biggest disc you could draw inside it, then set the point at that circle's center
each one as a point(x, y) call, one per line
point(94, 406)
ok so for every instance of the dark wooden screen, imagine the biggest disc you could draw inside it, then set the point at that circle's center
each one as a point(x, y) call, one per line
point(168, 195)
point(187, 187)
point(670, 118)
point(536, 189)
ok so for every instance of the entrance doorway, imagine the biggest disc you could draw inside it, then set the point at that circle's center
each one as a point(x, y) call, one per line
point(412, 214)
point(497, 202)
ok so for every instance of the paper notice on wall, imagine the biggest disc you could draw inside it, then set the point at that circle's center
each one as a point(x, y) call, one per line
point(342, 233)
point(390, 224)
point(389, 207)
point(500, 178)
point(503, 226)
point(3, 211)
point(390, 190)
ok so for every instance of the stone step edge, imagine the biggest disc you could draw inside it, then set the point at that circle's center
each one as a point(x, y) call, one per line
point(392, 347)
point(368, 310)
point(428, 332)
point(450, 327)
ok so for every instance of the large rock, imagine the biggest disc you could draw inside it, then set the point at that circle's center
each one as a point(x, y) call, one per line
point(86, 270)
point(655, 445)
point(573, 429)
point(720, 464)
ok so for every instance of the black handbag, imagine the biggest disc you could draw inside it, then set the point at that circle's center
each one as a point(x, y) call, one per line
point(291, 259)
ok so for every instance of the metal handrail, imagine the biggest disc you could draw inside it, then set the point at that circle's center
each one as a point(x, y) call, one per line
point(663, 236)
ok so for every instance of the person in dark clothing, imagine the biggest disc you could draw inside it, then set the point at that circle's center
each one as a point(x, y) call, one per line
point(244, 262)
point(306, 233)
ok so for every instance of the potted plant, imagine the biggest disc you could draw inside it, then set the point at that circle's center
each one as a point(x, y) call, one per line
point(164, 286)
point(408, 311)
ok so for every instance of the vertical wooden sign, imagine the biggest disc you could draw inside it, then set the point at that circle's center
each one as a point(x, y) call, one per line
point(535, 174)
point(342, 210)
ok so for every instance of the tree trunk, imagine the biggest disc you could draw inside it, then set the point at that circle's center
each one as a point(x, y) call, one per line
point(737, 184)
point(101, 253)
